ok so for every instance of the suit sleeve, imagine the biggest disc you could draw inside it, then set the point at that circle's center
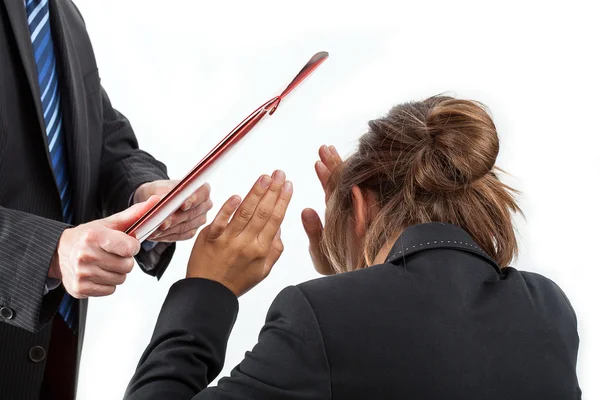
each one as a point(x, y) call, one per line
point(27, 245)
point(124, 167)
point(187, 350)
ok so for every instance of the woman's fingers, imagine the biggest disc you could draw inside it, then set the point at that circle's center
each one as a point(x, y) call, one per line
point(323, 173)
point(217, 227)
point(245, 211)
point(335, 157)
point(273, 225)
point(313, 227)
point(314, 230)
point(329, 161)
point(330, 157)
point(264, 209)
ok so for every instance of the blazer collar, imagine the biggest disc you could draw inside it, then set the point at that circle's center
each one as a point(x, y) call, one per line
point(436, 235)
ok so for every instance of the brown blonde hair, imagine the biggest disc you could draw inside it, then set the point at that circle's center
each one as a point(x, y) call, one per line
point(426, 161)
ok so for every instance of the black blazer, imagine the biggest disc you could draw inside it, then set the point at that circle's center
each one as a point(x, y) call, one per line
point(105, 164)
point(438, 320)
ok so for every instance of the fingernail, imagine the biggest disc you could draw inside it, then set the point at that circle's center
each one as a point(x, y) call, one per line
point(235, 201)
point(309, 215)
point(279, 176)
point(265, 181)
point(166, 225)
point(187, 206)
point(287, 187)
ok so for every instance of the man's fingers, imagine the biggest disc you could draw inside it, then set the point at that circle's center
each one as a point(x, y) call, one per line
point(217, 227)
point(123, 220)
point(103, 276)
point(200, 196)
point(178, 237)
point(266, 205)
point(184, 227)
point(118, 243)
point(182, 217)
point(246, 209)
point(91, 289)
point(113, 263)
point(273, 225)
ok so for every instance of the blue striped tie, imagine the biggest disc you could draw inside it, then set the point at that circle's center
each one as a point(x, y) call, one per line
point(38, 17)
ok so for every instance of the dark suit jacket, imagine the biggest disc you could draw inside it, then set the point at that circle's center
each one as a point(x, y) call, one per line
point(106, 167)
point(438, 320)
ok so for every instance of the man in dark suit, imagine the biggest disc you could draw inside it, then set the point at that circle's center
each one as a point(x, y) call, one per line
point(66, 158)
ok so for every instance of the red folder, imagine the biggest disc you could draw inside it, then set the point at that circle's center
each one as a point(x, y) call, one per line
point(152, 219)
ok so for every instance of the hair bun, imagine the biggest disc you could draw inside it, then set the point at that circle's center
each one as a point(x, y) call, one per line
point(460, 145)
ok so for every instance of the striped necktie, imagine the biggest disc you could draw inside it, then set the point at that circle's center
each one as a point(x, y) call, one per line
point(38, 17)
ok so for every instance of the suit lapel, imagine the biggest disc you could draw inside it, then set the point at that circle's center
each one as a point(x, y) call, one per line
point(73, 108)
point(18, 20)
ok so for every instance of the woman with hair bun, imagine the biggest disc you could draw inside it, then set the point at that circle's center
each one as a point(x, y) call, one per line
point(420, 301)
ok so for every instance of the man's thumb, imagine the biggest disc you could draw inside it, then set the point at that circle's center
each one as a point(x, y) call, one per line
point(123, 220)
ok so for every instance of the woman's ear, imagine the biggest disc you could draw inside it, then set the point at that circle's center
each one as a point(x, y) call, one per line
point(360, 211)
point(365, 208)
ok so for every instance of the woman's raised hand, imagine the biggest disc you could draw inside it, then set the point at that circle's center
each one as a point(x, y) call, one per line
point(329, 161)
point(239, 248)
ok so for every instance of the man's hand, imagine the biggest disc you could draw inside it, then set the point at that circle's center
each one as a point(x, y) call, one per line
point(184, 223)
point(239, 248)
point(329, 161)
point(93, 258)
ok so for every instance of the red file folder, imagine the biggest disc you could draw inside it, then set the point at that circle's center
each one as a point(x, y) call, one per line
point(150, 221)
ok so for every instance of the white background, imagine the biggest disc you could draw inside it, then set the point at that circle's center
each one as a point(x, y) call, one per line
point(186, 72)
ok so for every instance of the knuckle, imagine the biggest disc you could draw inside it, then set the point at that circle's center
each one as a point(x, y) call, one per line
point(176, 218)
point(248, 251)
point(89, 236)
point(81, 274)
point(258, 250)
point(262, 213)
point(277, 219)
point(185, 226)
point(107, 243)
point(132, 248)
point(129, 264)
point(82, 257)
point(121, 279)
point(245, 214)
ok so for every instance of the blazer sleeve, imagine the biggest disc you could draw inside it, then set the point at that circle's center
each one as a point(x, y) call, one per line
point(187, 350)
point(123, 168)
point(27, 245)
